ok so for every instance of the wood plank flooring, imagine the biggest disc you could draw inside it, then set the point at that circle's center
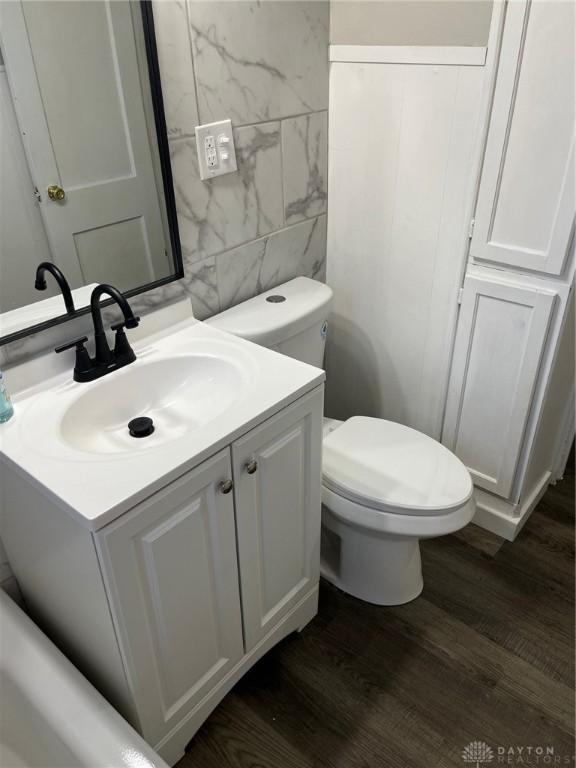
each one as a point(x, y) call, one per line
point(486, 653)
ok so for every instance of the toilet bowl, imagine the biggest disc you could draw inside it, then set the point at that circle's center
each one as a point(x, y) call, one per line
point(385, 486)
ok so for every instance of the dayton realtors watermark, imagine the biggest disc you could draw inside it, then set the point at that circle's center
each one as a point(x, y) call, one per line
point(479, 754)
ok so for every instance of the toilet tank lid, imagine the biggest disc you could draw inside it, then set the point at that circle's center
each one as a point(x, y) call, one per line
point(277, 314)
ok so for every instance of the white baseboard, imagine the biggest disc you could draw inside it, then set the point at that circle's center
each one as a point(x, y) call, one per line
point(504, 518)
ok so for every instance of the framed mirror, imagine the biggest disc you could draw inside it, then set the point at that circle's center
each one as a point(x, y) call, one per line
point(86, 183)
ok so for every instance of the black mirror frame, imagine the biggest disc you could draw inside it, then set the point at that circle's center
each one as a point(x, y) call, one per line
point(170, 201)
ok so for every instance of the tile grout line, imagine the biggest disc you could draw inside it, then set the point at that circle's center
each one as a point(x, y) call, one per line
point(192, 60)
point(263, 237)
point(282, 185)
point(188, 136)
point(214, 257)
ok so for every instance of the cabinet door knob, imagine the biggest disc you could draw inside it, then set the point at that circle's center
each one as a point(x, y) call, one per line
point(226, 486)
point(251, 466)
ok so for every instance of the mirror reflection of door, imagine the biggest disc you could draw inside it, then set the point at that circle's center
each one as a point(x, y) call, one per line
point(23, 241)
point(75, 75)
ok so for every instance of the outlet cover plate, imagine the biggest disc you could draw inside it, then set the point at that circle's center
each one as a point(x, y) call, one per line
point(215, 148)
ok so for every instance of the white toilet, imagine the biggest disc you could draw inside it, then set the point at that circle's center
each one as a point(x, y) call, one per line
point(384, 486)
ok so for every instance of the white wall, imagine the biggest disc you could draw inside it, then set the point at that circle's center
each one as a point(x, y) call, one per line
point(557, 409)
point(410, 22)
point(402, 161)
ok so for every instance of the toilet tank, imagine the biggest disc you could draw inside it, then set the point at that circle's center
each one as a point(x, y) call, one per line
point(291, 318)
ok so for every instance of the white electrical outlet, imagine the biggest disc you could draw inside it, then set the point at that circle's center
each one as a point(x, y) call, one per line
point(210, 152)
point(215, 147)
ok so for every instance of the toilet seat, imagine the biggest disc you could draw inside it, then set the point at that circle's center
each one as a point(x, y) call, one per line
point(340, 509)
point(383, 466)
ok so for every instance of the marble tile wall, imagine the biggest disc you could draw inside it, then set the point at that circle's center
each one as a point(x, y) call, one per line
point(264, 65)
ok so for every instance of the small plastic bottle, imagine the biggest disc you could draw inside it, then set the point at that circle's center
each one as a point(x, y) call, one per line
point(6, 407)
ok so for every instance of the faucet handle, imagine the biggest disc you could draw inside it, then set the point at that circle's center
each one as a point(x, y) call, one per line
point(78, 343)
point(83, 364)
point(122, 348)
point(132, 323)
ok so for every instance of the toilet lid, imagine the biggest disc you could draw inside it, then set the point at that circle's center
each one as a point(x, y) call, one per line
point(394, 468)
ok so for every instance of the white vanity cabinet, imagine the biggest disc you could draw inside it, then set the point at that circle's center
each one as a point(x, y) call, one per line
point(166, 606)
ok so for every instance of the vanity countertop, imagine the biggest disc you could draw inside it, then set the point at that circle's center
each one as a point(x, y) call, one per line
point(96, 477)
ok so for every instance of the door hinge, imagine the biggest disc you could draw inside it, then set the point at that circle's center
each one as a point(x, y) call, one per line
point(471, 229)
point(460, 295)
point(37, 194)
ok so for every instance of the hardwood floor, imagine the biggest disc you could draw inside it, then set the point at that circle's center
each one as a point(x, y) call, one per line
point(486, 653)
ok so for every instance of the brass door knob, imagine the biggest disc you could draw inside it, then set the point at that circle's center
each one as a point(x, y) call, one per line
point(251, 466)
point(56, 193)
point(226, 486)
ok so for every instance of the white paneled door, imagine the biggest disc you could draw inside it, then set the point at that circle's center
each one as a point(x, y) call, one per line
point(277, 477)
point(526, 200)
point(173, 575)
point(75, 80)
point(499, 346)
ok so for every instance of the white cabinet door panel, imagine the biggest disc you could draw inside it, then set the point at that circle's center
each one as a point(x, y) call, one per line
point(172, 575)
point(526, 199)
point(278, 514)
point(499, 345)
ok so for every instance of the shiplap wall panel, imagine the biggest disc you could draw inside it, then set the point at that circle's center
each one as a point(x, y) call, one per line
point(401, 156)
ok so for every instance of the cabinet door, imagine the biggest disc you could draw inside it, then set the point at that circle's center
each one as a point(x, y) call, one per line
point(527, 198)
point(499, 344)
point(277, 473)
point(172, 575)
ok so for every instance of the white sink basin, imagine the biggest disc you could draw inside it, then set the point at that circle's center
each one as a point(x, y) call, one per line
point(178, 393)
point(202, 388)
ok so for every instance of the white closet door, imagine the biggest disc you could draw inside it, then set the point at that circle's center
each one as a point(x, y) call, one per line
point(526, 200)
point(74, 75)
point(499, 344)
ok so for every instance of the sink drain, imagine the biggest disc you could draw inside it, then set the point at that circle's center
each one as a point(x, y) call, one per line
point(141, 427)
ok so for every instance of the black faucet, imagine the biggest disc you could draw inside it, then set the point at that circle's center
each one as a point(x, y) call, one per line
point(103, 353)
point(40, 284)
point(105, 360)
